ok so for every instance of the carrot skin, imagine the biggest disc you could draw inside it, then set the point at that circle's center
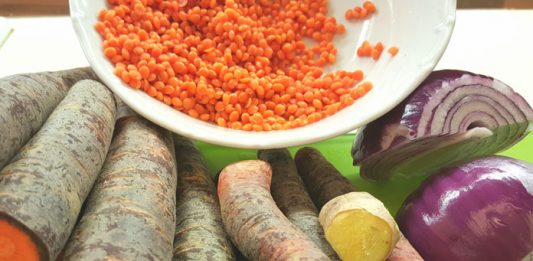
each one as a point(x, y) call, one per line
point(404, 251)
point(26, 101)
point(72, 76)
point(44, 186)
point(130, 214)
point(255, 225)
point(200, 233)
point(290, 195)
point(321, 178)
point(123, 110)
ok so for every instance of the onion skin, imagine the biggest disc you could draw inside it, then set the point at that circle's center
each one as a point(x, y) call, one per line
point(481, 210)
point(451, 117)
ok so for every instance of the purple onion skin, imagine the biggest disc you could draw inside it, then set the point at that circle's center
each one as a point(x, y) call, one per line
point(407, 113)
point(481, 210)
point(404, 125)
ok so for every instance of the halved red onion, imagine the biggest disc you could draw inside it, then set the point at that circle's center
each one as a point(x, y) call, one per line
point(480, 210)
point(452, 116)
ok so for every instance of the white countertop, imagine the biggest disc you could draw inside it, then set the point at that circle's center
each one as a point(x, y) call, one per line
point(498, 43)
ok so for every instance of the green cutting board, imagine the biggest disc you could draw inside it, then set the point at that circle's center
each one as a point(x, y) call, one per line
point(337, 151)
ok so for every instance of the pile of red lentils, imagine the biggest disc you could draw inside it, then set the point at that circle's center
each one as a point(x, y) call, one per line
point(241, 64)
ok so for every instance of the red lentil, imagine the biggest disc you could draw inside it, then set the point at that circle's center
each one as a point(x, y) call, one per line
point(367, 50)
point(361, 12)
point(239, 64)
point(393, 50)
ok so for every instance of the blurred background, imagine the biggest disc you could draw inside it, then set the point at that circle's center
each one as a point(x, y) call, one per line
point(60, 7)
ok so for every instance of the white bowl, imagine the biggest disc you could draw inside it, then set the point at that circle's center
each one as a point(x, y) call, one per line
point(420, 28)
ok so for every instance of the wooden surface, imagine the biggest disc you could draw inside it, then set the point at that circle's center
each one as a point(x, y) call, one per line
point(33, 7)
point(495, 4)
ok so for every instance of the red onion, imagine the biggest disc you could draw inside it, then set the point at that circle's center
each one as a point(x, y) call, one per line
point(481, 210)
point(452, 116)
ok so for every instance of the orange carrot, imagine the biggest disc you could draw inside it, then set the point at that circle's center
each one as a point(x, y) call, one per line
point(43, 188)
point(16, 244)
point(256, 226)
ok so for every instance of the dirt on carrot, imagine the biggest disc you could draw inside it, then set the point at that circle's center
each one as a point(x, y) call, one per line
point(43, 188)
point(130, 214)
point(288, 191)
point(238, 64)
point(252, 219)
point(200, 233)
point(26, 101)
